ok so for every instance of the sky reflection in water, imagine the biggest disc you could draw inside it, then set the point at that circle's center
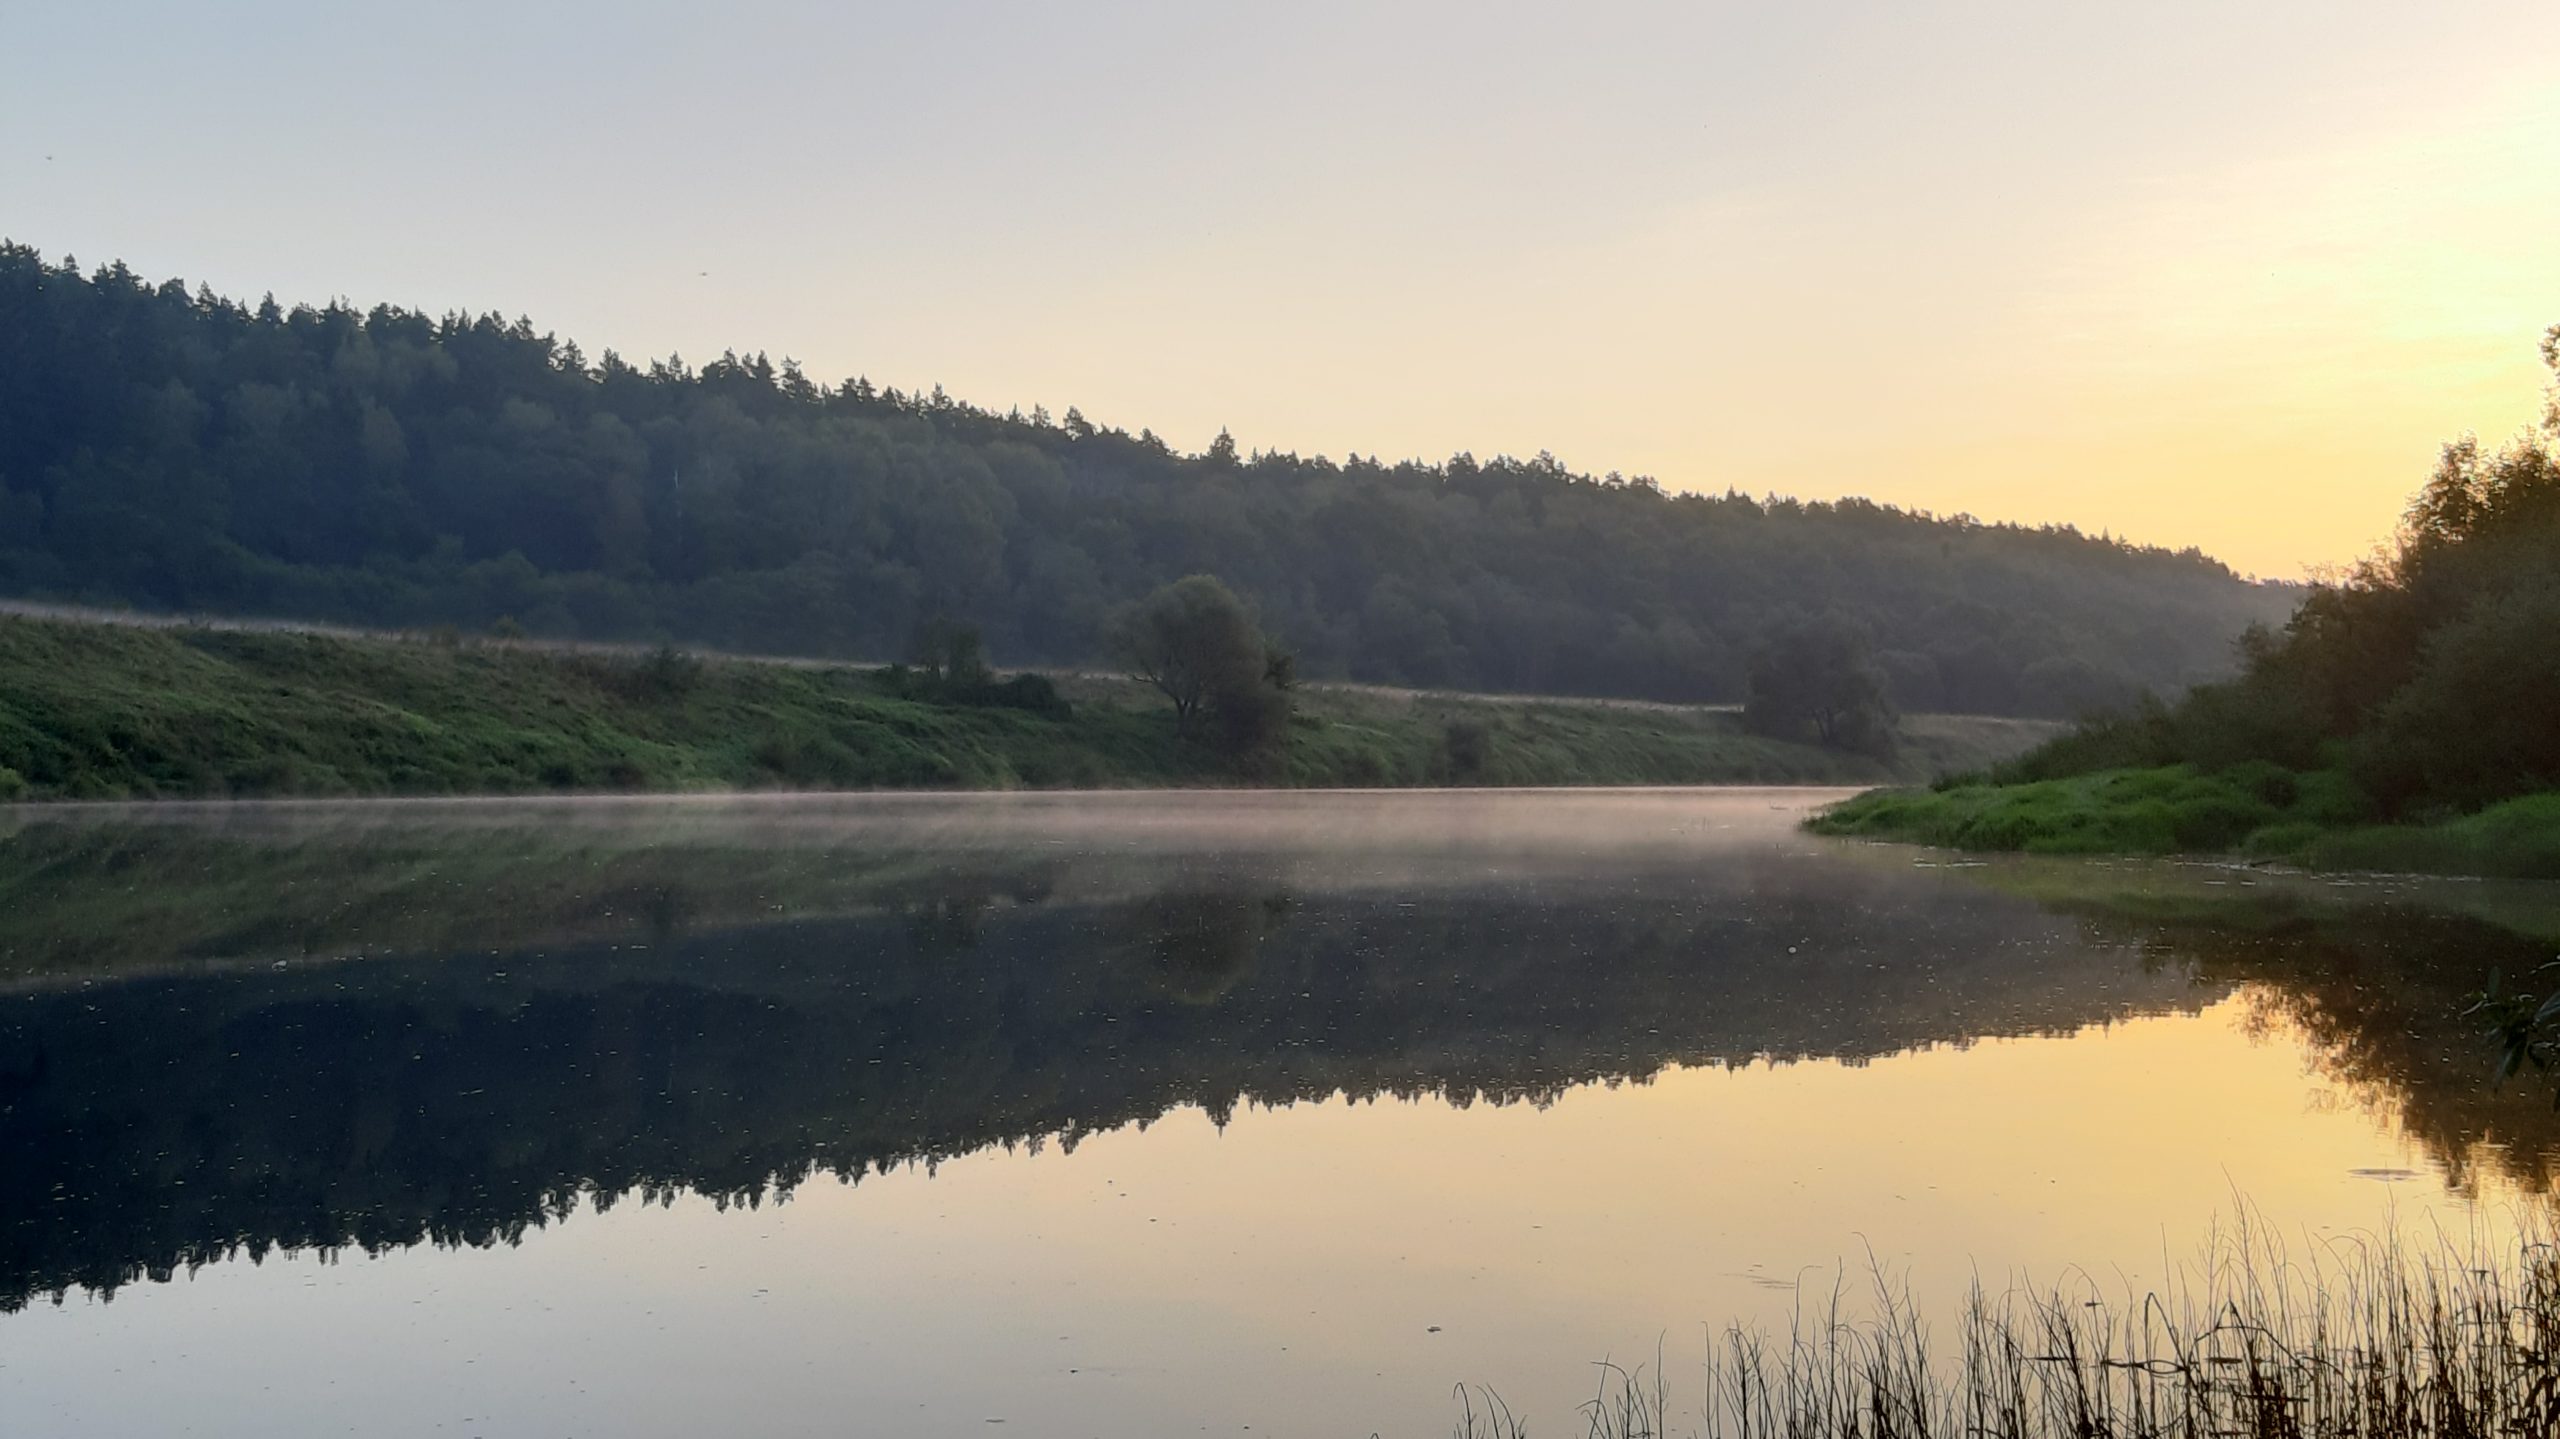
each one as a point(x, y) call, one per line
point(1619, 1068)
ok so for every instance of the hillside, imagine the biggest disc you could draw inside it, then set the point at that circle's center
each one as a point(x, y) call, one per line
point(93, 711)
point(175, 450)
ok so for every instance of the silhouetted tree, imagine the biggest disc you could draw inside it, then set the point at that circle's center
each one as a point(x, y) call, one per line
point(949, 655)
point(1196, 643)
point(1819, 680)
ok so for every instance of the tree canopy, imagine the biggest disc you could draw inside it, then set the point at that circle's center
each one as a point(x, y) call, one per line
point(170, 448)
point(2429, 675)
point(1817, 680)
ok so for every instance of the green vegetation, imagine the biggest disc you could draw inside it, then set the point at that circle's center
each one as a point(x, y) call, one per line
point(1194, 642)
point(105, 711)
point(178, 451)
point(2256, 809)
point(2317, 819)
point(1819, 681)
point(2402, 719)
point(2371, 1340)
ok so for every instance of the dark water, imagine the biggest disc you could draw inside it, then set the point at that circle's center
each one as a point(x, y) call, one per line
point(1135, 1114)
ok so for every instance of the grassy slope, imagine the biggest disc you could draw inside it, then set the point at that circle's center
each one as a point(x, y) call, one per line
point(98, 711)
point(2314, 819)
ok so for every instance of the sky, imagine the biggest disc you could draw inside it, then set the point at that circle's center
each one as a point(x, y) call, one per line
point(2191, 273)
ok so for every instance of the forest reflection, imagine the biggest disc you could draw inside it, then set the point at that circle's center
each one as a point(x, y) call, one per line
point(218, 1041)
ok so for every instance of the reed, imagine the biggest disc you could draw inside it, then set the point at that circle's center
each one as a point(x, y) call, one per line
point(2373, 1339)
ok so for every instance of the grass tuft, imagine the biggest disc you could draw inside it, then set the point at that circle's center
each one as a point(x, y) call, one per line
point(2358, 1341)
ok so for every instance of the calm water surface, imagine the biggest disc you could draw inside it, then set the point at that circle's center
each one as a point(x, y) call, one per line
point(1130, 1114)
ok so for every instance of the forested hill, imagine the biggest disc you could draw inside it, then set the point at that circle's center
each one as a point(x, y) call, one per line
point(173, 449)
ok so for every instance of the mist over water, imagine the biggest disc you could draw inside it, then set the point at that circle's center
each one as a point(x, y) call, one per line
point(1124, 1113)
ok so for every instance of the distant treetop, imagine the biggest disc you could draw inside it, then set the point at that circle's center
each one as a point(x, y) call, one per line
point(171, 448)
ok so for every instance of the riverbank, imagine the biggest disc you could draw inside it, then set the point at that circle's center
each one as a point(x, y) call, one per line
point(2316, 819)
point(91, 711)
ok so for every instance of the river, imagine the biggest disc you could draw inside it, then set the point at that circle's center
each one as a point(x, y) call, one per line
point(1142, 1114)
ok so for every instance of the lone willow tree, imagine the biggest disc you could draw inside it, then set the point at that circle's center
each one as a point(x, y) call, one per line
point(1195, 642)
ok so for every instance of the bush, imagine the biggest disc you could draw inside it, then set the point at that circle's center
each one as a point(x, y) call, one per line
point(2330, 797)
point(2474, 723)
point(2134, 738)
point(667, 673)
point(1035, 694)
point(2268, 783)
point(2283, 840)
point(2215, 821)
point(1465, 748)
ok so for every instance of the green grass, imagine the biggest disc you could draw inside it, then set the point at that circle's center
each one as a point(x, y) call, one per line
point(2519, 839)
point(2316, 819)
point(92, 711)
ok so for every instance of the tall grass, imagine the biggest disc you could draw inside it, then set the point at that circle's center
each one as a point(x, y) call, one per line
point(2370, 1340)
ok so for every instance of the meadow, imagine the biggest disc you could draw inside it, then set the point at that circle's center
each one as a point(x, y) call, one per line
point(101, 711)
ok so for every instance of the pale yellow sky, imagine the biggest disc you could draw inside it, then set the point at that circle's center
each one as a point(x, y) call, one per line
point(2189, 272)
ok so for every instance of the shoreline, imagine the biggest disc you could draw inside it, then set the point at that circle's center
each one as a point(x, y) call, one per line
point(2245, 816)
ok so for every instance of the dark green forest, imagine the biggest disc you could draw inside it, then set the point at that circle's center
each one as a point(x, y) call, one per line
point(2421, 688)
point(2429, 675)
point(170, 449)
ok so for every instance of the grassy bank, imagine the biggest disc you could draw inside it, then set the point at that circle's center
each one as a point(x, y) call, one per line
point(2258, 811)
point(101, 711)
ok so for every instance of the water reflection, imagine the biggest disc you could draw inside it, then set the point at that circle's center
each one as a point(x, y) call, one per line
point(229, 1032)
point(2369, 974)
point(728, 1010)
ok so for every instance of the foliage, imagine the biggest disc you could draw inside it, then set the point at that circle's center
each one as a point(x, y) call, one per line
point(2514, 839)
point(1818, 680)
point(2423, 686)
point(2155, 811)
point(1195, 643)
point(2428, 673)
point(2318, 819)
point(181, 451)
point(1466, 746)
point(2524, 1025)
point(948, 655)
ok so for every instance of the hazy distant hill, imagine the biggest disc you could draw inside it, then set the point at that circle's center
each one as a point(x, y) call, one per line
point(171, 449)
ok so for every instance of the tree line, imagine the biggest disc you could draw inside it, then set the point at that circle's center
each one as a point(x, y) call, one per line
point(2429, 675)
point(171, 448)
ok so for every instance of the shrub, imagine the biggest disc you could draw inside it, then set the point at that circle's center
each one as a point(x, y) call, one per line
point(1465, 747)
point(2282, 840)
point(1029, 692)
point(2215, 821)
point(2270, 784)
point(667, 673)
